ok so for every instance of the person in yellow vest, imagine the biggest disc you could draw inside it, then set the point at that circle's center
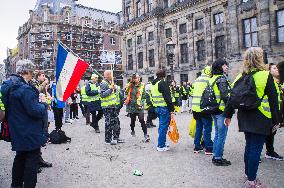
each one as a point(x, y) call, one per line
point(162, 101)
point(221, 88)
point(94, 106)
point(256, 124)
point(203, 121)
point(134, 102)
point(149, 106)
point(119, 104)
point(85, 101)
point(270, 153)
point(108, 104)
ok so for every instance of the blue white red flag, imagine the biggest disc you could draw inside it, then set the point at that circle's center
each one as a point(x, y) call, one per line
point(69, 71)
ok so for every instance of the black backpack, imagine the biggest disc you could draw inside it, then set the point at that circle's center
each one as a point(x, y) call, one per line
point(208, 103)
point(58, 137)
point(244, 95)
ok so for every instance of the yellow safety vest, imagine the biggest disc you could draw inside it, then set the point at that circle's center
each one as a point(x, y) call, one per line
point(139, 99)
point(97, 97)
point(158, 99)
point(199, 86)
point(260, 79)
point(109, 100)
point(2, 107)
point(217, 92)
point(85, 97)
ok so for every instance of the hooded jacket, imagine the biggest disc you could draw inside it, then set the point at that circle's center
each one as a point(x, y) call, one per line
point(25, 114)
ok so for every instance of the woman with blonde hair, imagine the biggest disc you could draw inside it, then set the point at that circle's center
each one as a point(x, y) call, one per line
point(257, 122)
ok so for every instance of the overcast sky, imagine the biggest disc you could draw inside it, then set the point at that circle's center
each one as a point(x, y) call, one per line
point(14, 13)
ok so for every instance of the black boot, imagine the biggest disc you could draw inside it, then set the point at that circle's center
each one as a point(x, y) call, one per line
point(152, 125)
point(43, 163)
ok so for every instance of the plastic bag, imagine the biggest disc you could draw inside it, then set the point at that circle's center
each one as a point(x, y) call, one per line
point(173, 131)
point(192, 128)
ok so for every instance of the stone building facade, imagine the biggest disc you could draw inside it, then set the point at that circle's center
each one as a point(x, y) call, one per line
point(86, 31)
point(202, 31)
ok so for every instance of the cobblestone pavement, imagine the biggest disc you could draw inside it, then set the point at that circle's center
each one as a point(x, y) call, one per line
point(88, 163)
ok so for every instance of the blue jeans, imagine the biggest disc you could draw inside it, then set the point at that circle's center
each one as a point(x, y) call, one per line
point(164, 121)
point(254, 145)
point(206, 124)
point(220, 136)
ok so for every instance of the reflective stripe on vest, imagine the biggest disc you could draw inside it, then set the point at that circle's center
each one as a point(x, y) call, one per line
point(109, 100)
point(158, 99)
point(199, 86)
point(260, 79)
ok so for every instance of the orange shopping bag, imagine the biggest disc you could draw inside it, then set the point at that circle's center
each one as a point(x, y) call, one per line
point(173, 131)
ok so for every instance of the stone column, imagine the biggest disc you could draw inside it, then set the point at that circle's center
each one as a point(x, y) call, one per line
point(208, 35)
point(264, 25)
point(232, 27)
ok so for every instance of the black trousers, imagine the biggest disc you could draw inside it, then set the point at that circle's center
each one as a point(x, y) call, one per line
point(58, 115)
point(270, 143)
point(87, 113)
point(82, 108)
point(96, 116)
point(73, 111)
point(141, 120)
point(151, 116)
point(25, 168)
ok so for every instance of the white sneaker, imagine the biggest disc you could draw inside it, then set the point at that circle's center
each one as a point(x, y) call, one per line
point(113, 142)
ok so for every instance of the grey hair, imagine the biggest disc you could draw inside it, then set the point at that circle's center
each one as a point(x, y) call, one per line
point(24, 66)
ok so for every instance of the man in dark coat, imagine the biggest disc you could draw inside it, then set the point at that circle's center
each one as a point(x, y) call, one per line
point(25, 115)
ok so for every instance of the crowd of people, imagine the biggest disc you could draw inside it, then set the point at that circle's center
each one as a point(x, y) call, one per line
point(31, 104)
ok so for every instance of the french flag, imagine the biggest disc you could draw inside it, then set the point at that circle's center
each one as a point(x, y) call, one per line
point(69, 71)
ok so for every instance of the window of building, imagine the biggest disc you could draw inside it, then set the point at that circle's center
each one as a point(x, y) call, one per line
point(280, 26)
point(182, 28)
point(220, 47)
point(138, 9)
point(150, 5)
point(183, 78)
point(140, 60)
point(168, 33)
point(112, 41)
point(151, 36)
point(183, 53)
point(250, 32)
point(129, 43)
point(199, 24)
point(68, 36)
point(201, 53)
point(218, 18)
point(139, 39)
point(127, 12)
point(130, 62)
point(151, 58)
point(88, 22)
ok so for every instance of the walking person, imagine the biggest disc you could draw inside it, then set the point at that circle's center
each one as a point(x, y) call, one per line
point(203, 120)
point(108, 104)
point(162, 101)
point(221, 89)
point(270, 152)
point(86, 101)
point(74, 106)
point(68, 103)
point(134, 102)
point(93, 91)
point(255, 123)
point(25, 115)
